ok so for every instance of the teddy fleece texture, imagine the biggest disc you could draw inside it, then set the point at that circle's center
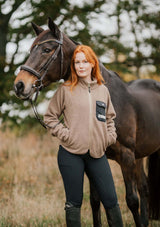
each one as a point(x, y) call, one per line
point(88, 118)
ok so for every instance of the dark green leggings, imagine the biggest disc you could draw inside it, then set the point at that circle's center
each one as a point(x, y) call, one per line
point(72, 168)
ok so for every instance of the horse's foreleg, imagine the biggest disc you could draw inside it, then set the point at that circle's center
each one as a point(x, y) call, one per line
point(128, 165)
point(95, 204)
point(143, 191)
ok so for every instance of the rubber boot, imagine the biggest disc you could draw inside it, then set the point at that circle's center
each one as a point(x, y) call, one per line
point(114, 217)
point(73, 218)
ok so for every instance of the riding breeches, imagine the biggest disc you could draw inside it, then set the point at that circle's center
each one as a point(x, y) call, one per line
point(72, 168)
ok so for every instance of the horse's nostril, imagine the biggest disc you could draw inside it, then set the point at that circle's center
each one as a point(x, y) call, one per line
point(19, 87)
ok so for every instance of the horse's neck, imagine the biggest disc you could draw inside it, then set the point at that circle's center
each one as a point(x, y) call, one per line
point(112, 79)
point(119, 90)
point(68, 56)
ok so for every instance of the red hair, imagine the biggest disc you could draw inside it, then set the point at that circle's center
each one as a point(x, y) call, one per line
point(92, 58)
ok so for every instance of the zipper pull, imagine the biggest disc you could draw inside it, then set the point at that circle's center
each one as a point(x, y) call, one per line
point(89, 88)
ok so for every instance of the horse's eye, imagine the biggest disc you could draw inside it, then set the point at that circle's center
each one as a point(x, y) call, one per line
point(47, 50)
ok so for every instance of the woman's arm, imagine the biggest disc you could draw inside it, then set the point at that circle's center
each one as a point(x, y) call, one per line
point(54, 111)
point(111, 115)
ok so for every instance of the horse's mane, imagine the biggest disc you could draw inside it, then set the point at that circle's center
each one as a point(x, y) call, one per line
point(74, 41)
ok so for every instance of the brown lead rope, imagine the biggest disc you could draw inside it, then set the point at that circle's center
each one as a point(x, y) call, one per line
point(40, 120)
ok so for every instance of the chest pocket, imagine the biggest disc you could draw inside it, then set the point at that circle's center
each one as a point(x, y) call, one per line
point(101, 111)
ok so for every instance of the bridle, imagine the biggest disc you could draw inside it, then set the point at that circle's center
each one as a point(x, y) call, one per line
point(38, 85)
point(46, 66)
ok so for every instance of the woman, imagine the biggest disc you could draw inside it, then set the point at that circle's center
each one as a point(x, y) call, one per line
point(87, 131)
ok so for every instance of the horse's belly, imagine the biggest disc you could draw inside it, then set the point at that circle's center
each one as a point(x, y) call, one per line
point(148, 132)
point(147, 147)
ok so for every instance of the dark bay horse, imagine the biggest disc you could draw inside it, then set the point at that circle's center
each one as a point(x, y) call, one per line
point(137, 105)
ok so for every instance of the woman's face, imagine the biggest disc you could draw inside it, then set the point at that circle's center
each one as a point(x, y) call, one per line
point(82, 66)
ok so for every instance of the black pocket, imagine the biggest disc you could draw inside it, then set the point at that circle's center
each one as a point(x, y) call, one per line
point(101, 111)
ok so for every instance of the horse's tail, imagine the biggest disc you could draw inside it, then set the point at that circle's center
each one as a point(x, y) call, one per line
point(154, 185)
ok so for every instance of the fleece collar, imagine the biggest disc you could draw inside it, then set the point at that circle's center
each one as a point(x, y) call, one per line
point(83, 83)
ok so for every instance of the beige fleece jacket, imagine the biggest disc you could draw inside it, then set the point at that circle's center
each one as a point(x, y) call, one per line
point(88, 118)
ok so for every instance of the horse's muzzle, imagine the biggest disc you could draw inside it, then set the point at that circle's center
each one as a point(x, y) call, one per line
point(19, 88)
point(21, 92)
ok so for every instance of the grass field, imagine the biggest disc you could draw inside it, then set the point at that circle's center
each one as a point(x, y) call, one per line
point(31, 189)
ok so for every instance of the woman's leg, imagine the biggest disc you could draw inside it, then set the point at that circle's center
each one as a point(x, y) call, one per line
point(98, 171)
point(72, 170)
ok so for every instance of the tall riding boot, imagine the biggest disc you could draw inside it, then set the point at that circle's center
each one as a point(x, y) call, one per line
point(114, 217)
point(73, 218)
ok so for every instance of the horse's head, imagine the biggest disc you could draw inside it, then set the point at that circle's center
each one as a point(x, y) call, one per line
point(48, 61)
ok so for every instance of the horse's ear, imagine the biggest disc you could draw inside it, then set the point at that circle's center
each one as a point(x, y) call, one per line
point(37, 28)
point(54, 28)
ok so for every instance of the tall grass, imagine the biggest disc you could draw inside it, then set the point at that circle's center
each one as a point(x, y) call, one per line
point(31, 189)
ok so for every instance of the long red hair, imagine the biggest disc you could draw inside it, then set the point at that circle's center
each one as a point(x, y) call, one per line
point(92, 58)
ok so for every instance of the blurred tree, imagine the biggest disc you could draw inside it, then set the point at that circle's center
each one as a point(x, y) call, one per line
point(124, 34)
point(135, 42)
point(151, 20)
point(6, 78)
